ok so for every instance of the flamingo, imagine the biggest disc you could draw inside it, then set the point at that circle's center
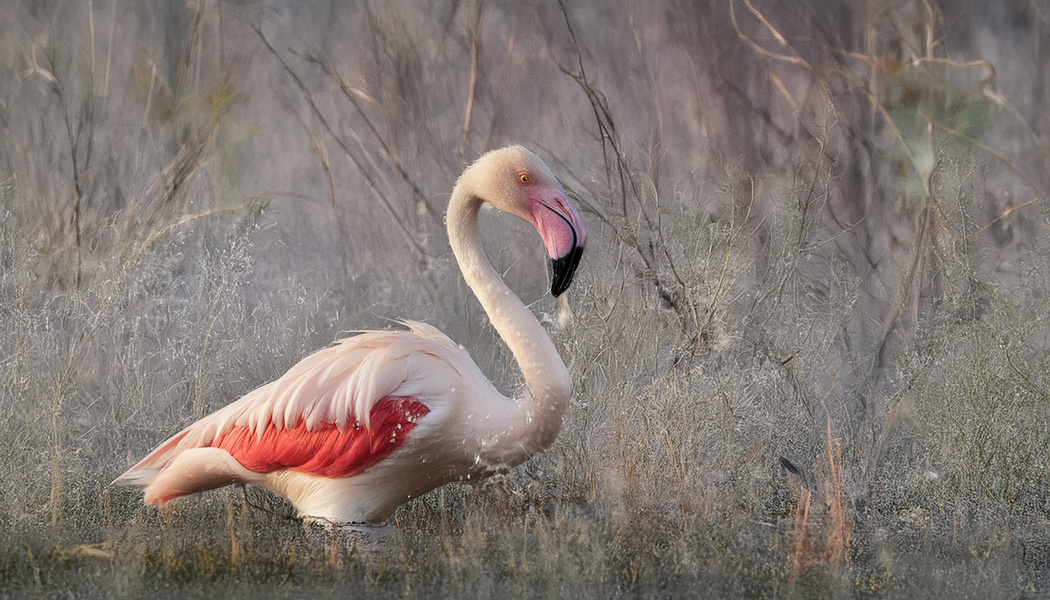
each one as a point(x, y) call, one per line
point(374, 420)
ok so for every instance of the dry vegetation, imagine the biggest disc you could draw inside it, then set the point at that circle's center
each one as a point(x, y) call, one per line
point(810, 337)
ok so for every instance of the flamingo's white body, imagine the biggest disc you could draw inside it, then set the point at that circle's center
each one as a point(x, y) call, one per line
point(361, 426)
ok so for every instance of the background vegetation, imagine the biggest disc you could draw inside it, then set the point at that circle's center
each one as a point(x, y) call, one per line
point(810, 341)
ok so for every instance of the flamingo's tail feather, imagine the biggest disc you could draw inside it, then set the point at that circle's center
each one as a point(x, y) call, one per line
point(194, 470)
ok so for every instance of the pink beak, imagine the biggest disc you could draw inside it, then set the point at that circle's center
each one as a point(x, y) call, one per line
point(562, 231)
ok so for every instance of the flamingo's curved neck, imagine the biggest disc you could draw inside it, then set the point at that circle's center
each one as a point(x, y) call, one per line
point(545, 373)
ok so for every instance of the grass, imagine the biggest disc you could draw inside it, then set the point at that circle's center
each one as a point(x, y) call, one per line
point(809, 335)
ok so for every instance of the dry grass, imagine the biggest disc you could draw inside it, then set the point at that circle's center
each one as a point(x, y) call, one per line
point(810, 330)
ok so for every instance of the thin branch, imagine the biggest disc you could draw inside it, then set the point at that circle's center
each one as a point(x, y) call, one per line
point(475, 53)
point(352, 94)
point(399, 222)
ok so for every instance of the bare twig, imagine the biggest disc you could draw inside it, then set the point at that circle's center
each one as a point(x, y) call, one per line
point(675, 294)
point(399, 222)
point(352, 95)
point(475, 52)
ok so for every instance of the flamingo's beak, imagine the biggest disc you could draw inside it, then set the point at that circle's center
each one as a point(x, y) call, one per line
point(563, 269)
point(562, 231)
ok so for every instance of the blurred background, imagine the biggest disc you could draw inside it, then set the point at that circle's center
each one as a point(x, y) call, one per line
point(810, 339)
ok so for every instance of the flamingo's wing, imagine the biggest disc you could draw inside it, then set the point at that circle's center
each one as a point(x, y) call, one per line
point(325, 450)
point(335, 413)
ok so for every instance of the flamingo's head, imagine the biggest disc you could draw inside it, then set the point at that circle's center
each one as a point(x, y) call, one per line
point(515, 180)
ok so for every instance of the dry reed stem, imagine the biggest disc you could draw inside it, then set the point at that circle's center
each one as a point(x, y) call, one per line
point(800, 548)
point(810, 548)
point(475, 58)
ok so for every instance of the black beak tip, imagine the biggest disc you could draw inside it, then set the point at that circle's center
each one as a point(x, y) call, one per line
point(563, 269)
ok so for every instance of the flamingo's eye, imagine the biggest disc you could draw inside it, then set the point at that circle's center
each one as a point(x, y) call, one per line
point(524, 178)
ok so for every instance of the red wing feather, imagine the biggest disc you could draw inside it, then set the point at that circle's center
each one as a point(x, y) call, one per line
point(326, 451)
